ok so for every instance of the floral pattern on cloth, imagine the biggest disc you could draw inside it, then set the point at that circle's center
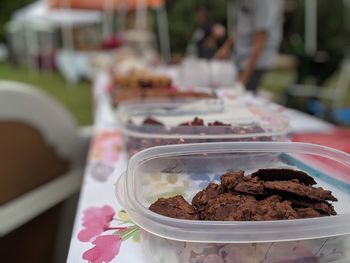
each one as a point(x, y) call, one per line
point(105, 152)
point(106, 231)
point(106, 147)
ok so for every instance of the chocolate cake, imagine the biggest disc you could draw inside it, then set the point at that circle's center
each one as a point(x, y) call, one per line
point(176, 207)
point(195, 126)
point(268, 194)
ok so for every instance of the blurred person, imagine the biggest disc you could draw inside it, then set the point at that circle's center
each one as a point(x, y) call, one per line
point(206, 36)
point(257, 39)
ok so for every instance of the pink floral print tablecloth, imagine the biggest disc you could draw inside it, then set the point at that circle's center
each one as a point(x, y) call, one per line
point(103, 231)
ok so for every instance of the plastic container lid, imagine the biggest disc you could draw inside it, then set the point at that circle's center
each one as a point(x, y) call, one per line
point(254, 121)
point(183, 165)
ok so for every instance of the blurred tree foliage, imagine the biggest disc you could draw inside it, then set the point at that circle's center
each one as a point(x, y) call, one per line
point(7, 7)
point(333, 33)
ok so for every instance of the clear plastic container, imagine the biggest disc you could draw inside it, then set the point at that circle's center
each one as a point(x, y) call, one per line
point(247, 123)
point(185, 169)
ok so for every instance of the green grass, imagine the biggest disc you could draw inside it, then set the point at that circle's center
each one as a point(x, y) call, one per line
point(77, 98)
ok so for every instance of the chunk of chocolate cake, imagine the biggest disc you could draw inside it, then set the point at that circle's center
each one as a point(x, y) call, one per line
point(229, 207)
point(201, 198)
point(322, 207)
point(284, 175)
point(236, 181)
point(254, 197)
point(151, 121)
point(195, 122)
point(272, 208)
point(290, 187)
point(307, 212)
point(176, 207)
point(250, 185)
point(230, 179)
point(218, 123)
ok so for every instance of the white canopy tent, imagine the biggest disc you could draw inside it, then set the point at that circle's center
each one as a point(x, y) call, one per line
point(33, 31)
point(41, 10)
point(38, 16)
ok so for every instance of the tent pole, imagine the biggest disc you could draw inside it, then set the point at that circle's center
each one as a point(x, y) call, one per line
point(231, 18)
point(310, 27)
point(67, 36)
point(67, 31)
point(122, 12)
point(30, 42)
point(141, 14)
point(163, 30)
point(107, 28)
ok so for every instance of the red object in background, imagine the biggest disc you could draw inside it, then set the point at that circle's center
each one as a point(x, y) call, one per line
point(337, 139)
point(112, 42)
point(45, 61)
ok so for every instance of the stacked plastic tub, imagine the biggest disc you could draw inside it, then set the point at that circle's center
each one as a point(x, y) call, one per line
point(188, 155)
point(153, 123)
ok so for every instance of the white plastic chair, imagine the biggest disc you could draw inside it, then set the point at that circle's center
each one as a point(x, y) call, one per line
point(25, 103)
point(335, 95)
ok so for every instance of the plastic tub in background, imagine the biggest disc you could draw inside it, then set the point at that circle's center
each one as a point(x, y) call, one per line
point(248, 123)
point(185, 169)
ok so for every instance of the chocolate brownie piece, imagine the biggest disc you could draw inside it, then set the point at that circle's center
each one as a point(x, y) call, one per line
point(145, 82)
point(284, 175)
point(151, 121)
point(229, 207)
point(196, 122)
point(250, 185)
point(289, 187)
point(230, 179)
point(218, 123)
point(246, 198)
point(201, 198)
point(272, 208)
point(218, 127)
point(307, 212)
point(236, 181)
point(175, 207)
point(322, 207)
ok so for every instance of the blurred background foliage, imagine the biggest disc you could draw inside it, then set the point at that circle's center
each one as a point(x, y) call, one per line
point(182, 19)
point(7, 7)
point(333, 22)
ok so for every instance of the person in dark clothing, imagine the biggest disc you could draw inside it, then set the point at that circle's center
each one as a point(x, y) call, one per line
point(206, 36)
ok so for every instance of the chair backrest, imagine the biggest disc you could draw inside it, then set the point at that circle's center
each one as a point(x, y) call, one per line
point(27, 160)
point(342, 84)
point(26, 104)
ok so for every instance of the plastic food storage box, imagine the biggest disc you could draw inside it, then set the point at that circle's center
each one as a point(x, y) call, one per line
point(166, 171)
point(247, 123)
